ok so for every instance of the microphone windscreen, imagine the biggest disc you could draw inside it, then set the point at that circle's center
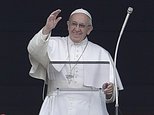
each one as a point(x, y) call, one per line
point(130, 10)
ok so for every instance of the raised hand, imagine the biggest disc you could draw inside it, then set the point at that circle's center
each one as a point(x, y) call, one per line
point(51, 22)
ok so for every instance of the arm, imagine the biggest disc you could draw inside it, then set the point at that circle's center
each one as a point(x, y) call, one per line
point(37, 49)
point(38, 45)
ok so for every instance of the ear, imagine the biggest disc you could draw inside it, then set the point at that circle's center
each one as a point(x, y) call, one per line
point(90, 28)
point(68, 25)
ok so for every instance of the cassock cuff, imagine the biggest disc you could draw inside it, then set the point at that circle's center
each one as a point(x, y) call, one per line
point(45, 38)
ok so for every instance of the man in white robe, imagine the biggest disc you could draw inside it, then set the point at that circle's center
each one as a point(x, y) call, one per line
point(73, 89)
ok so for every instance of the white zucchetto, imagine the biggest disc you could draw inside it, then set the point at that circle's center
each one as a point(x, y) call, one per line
point(82, 11)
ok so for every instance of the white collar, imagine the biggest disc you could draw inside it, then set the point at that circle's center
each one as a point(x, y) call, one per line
point(83, 42)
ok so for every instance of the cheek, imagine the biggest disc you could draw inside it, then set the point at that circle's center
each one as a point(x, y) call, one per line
point(70, 29)
point(85, 32)
point(88, 32)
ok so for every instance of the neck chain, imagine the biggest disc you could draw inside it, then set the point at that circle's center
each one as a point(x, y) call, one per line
point(70, 76)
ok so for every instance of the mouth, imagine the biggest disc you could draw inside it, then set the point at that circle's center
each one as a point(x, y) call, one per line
point(77, 34)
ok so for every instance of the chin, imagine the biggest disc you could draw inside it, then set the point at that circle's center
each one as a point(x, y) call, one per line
point(76, 40)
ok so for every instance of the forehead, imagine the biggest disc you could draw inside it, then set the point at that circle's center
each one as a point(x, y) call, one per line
point(79, 17)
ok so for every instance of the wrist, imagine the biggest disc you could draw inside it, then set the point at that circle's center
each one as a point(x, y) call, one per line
point(108, 96)
point(45, 31)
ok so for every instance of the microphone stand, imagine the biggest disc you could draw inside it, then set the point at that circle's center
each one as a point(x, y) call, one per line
point(129, 11)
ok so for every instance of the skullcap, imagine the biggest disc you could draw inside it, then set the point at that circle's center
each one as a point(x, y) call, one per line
point(82, 11)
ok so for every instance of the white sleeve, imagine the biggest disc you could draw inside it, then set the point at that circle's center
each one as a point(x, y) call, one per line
point(38, 57)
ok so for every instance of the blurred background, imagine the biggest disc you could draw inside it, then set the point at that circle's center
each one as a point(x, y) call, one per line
point(20, 20)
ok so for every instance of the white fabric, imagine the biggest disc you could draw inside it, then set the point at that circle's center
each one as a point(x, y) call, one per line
point(55, 49)
point(83, 12)
point(59, 53)
point(41, 52)
point(91, 71)
point(74, 103)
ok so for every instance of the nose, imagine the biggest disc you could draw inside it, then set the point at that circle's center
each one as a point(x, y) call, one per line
point(77, 27)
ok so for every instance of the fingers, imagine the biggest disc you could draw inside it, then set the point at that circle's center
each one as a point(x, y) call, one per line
point(53, 17)
point(105, 85)
point(52, 21)
point(108, 88)
point(58, 19)
point(54, 14)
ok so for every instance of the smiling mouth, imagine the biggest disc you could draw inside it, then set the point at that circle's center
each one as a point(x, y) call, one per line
point(77, 34)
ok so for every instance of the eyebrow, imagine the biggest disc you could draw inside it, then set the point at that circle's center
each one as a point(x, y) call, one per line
point(78, 22)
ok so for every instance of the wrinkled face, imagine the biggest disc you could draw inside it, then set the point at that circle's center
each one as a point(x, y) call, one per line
point(79, 27)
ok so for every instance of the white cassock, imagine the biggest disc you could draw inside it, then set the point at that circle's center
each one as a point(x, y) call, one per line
point(87, 77)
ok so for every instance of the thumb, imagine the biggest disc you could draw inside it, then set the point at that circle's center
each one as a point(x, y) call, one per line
point(105, 85)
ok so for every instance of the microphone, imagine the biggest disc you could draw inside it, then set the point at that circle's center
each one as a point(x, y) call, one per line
point(129, 11)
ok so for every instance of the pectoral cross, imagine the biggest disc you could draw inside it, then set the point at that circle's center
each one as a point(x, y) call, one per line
point(69, 78)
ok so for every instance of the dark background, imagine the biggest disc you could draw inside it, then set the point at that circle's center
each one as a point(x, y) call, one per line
point(21, 19)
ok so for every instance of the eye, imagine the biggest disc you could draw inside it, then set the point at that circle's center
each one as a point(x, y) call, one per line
point(82, 25)
point(74, 24)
